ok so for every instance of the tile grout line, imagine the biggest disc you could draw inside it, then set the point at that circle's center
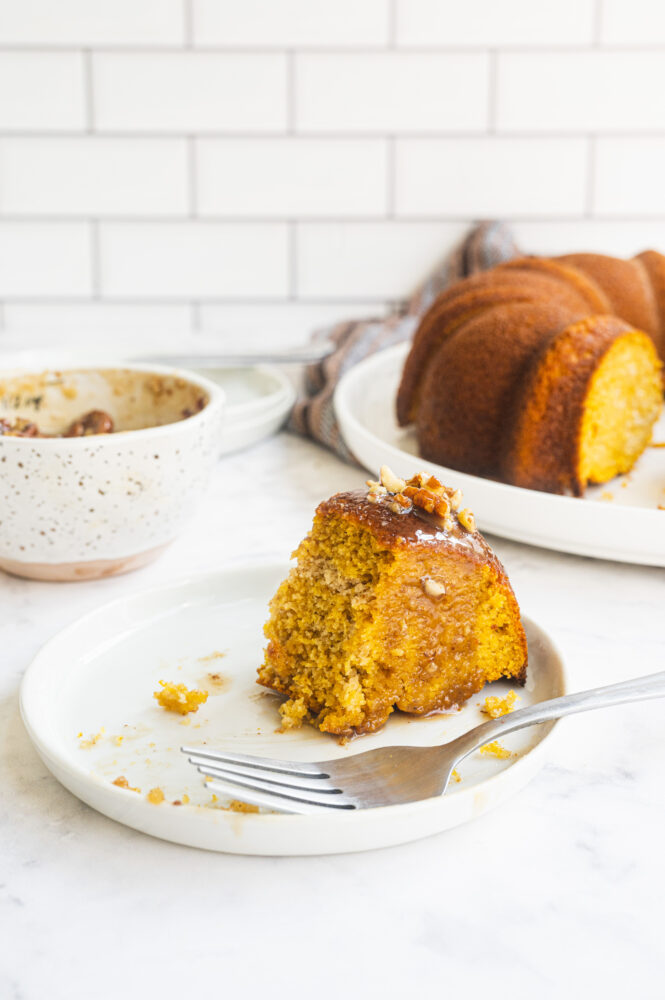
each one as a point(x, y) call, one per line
point(591, 176)
point(526, 48)
point(291, 83)
point(391, 176)
point(392, 24)
point(281, 221)
point(492, 102)
point(335, 135)
point(192, 178)
point(184, 300)
point(188, 26)
point(95, 260)
point(293, 260)
point(88, 91)
point(598, 23)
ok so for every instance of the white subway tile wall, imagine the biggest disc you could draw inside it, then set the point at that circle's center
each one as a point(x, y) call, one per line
point(255, 169)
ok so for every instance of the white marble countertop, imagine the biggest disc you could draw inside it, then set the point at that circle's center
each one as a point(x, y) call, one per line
point(557, 892)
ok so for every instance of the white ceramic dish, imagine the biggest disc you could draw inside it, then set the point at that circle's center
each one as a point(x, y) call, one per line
point(618, 520)
point(100, 674)
point(78, 508)
point(258, 400)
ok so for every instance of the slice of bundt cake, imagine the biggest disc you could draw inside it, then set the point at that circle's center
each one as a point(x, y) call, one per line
point(543, 373)
point(396, 601)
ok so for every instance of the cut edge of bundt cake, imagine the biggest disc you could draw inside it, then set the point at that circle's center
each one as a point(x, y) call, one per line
point(396, 601)
point(587, 410)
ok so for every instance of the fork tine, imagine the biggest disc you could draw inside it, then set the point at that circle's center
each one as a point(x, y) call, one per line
point(270, 778)
point(283, 800)
point(249, 760)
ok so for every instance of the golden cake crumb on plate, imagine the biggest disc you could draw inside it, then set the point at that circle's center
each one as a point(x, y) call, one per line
point(179, 698)
point(121, 782)
point(494, 749)
point(85, 742)
point(496, 707)
point(236, 806)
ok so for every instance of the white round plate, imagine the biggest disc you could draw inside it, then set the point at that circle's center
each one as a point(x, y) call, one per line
point(618, 520)
point(258, 402)
point(97, 677)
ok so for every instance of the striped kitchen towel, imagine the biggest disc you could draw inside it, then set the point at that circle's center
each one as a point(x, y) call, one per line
point(487, 244)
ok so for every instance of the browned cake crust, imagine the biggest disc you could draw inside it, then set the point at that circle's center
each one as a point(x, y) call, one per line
point(486, 344)
point(467, 433)
point(415, 529)
point(625, 284)
point(654, 265)
point(470, 298)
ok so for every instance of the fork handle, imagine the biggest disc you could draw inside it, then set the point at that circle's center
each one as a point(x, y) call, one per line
point(639, 689)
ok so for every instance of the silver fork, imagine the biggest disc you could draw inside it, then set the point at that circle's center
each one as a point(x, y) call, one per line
point(390, 775)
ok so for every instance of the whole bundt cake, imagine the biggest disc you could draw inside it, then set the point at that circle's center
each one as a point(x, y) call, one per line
point(541, 372)
point(397, 601)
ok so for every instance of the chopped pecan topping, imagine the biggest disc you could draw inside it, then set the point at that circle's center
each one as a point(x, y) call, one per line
point(391, 482)
point(400, 504)
point(456, 499)
point(422, 490)
point(467, 520)
point(433, 588)
point(427, 500)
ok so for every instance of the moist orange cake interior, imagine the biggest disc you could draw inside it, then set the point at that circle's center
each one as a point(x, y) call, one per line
point(390, 606)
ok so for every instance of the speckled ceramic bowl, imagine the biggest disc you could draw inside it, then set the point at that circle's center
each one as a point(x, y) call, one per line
point(86, 507)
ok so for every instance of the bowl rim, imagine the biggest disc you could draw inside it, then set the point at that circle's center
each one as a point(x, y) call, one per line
point(216, 400)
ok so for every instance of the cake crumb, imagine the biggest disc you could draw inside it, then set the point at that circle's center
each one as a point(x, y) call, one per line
point(496, 707)
point(236, 806)
point(155, 795)
point(456, 776)
point(121, 782)
point(494, 749)
point(89, 741)
point(606, 495)
point(178, 698)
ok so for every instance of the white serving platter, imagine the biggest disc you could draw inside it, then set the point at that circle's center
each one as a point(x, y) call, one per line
point(618, 520)
point(97, 677)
